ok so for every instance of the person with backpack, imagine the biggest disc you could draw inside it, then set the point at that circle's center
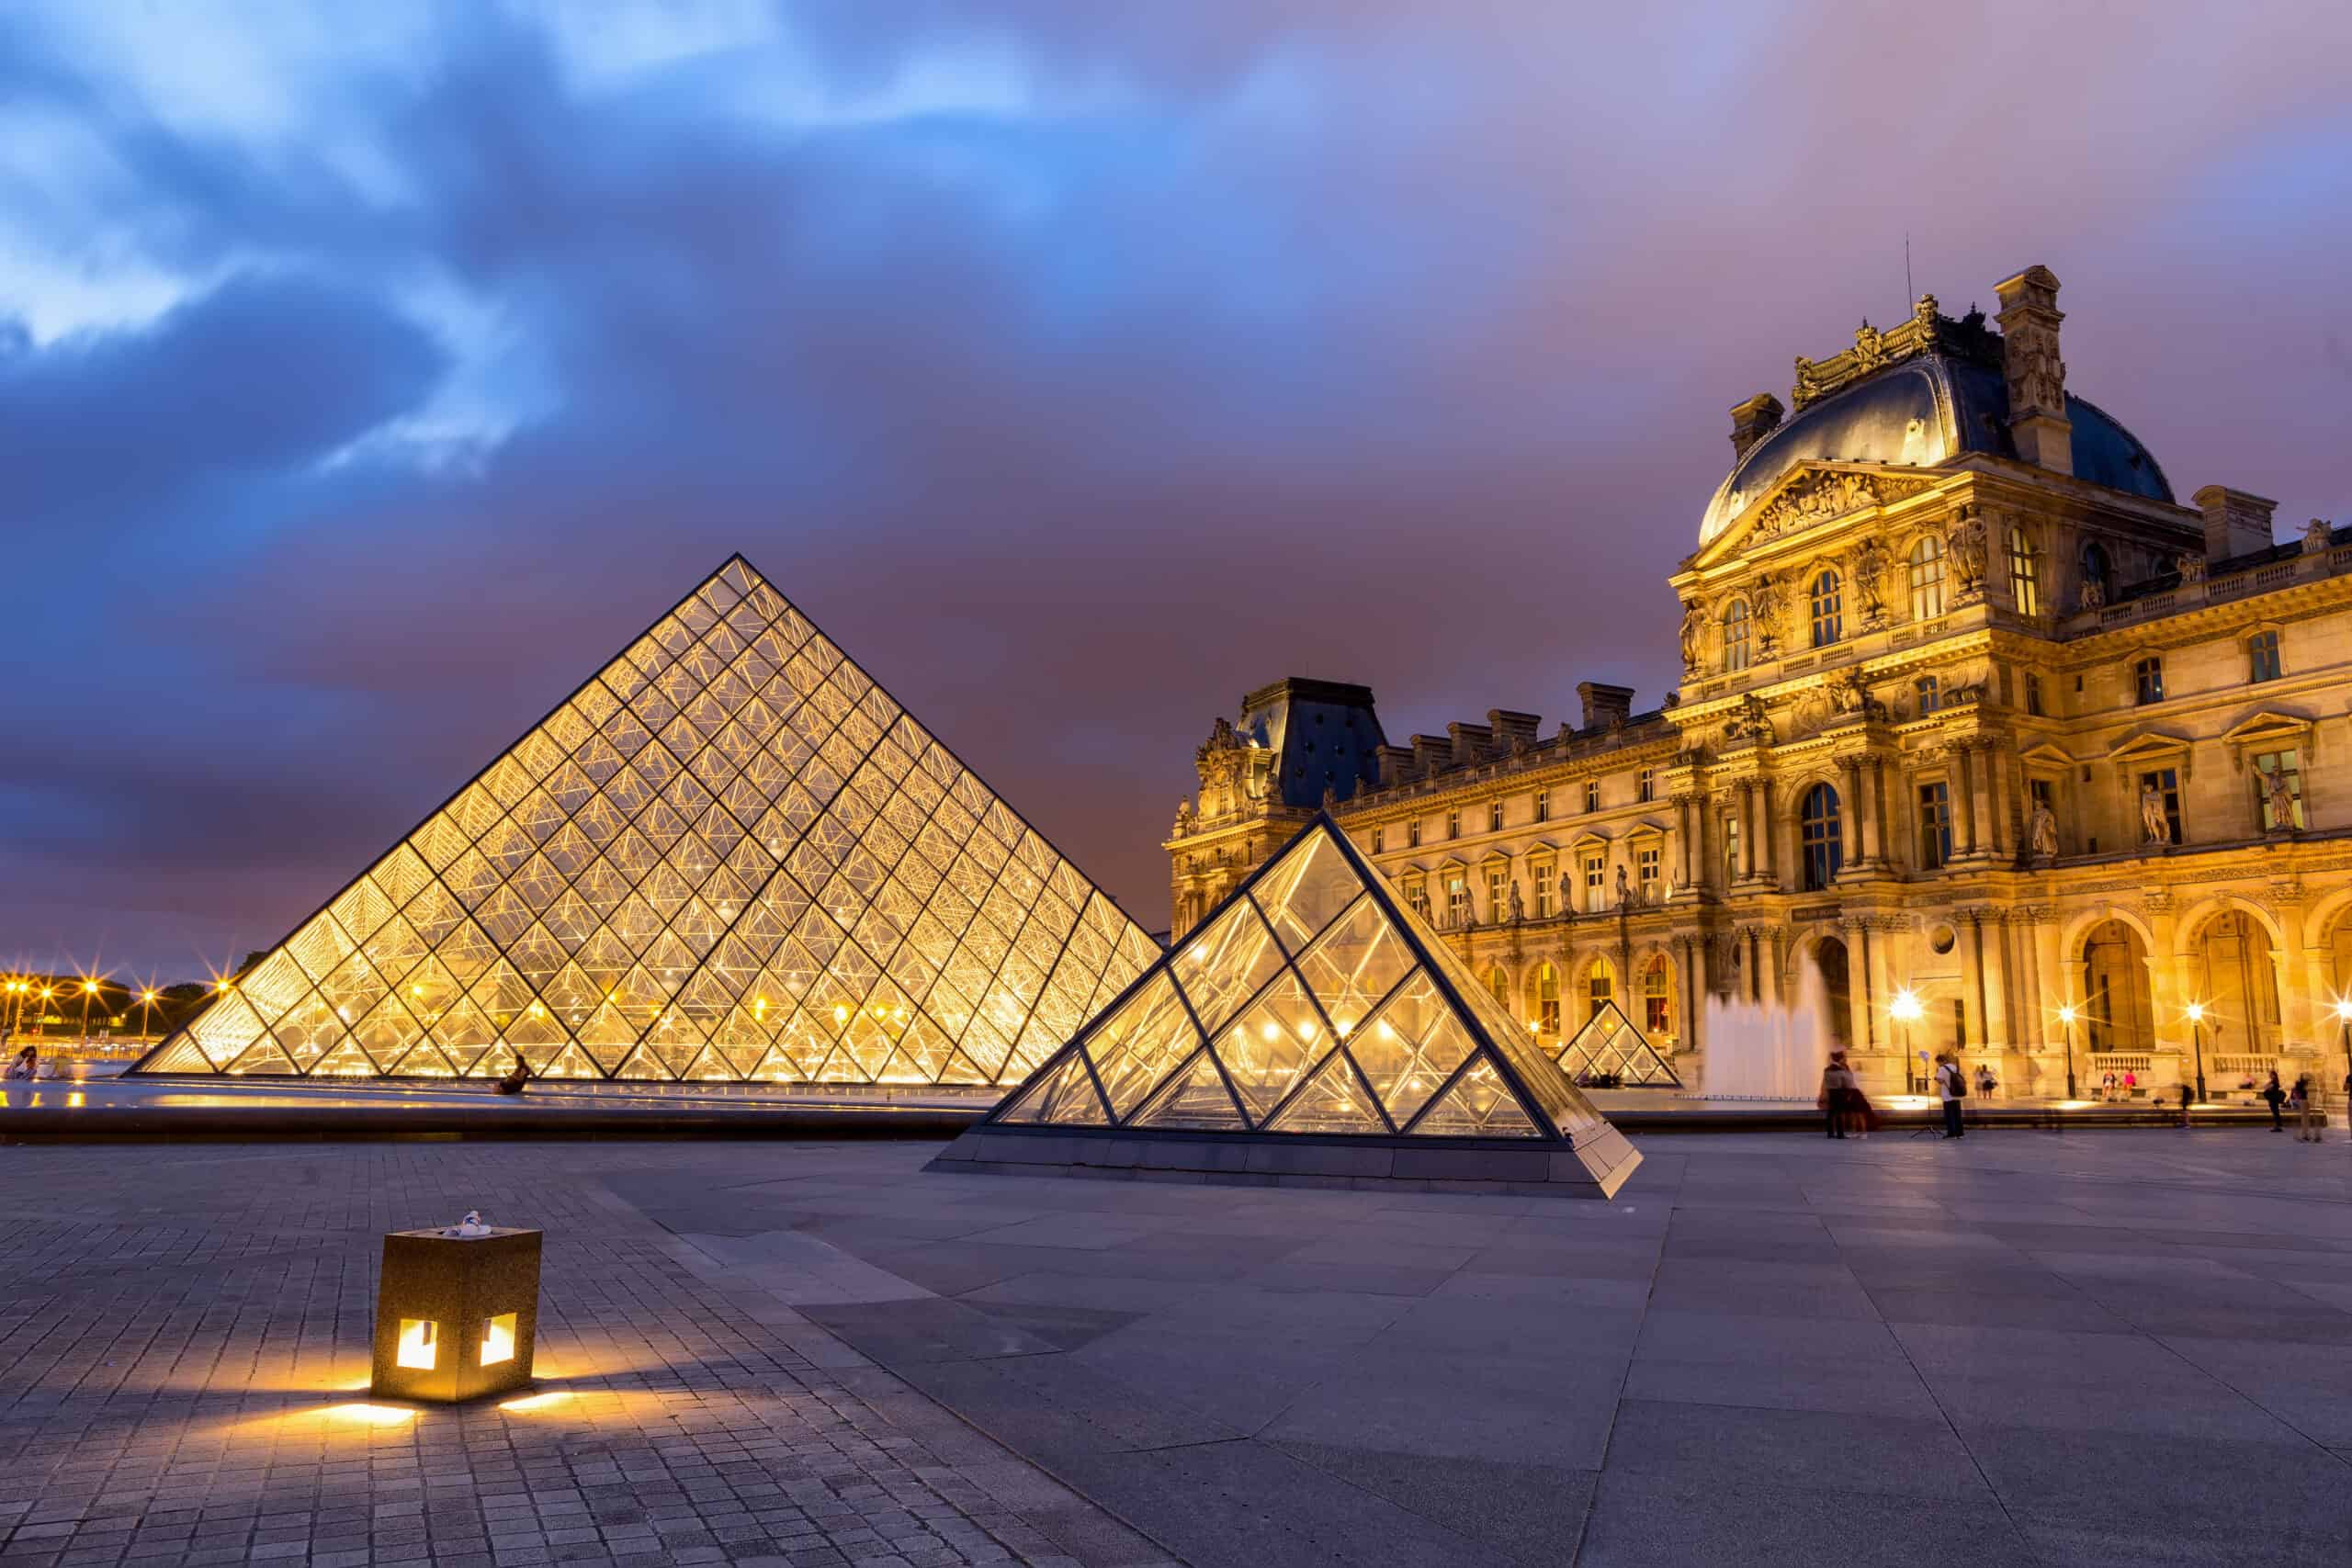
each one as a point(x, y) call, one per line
point(2275, 1096)
point(1951, 1086)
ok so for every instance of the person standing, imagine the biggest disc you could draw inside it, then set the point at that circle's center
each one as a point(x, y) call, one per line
point(1839, 1090)
point(2184, 1108)
point(1952, 1087)
point(2308, 1120)
point(2275, 1096)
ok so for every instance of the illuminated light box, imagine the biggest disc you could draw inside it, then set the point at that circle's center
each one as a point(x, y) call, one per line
point(456, 1315)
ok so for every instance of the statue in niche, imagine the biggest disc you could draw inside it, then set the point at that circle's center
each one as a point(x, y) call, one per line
point(2154, 823)
point(2190, 567)
point(2092, 595)
point(1185, 817)
point(1965, 544)
point(1518, 911)
point(1869, 571)
point(1694, 625)
point(1624, 889)
point(1765, 604)
point(2042, 831)
point(2280, 798)
point(1568, 898)
point(2317, 535)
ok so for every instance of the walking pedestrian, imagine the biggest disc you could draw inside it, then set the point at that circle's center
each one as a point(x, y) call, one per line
point(1986, 1082)
point(1839, 1090)
point(1951, 1085)
point(2274, 1096)
point(2184, 1108)
point(2307, 1121)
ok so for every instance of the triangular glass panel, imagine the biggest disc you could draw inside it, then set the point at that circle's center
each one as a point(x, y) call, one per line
point(1196, 1098)
point(1334, 1100)
point(1478, 1104)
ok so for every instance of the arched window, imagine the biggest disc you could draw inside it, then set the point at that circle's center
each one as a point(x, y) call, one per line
point(1927, 578)
point(1821, 838)
point(1499, 984)
point(1657, 1000)
point(1547, 1001)
point(2096, 569)
point(2025, 573)
point(1828, 618)
point(1599, 984)
point(1736, 621)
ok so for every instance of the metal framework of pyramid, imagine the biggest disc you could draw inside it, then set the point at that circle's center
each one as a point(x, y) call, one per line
point(1610, 1046)
point(729, 856)
point(1310, 1028)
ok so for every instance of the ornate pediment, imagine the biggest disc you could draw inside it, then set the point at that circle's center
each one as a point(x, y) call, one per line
point(1809, 496)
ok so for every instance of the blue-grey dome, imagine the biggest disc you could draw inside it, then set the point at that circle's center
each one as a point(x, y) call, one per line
point(1921, 413)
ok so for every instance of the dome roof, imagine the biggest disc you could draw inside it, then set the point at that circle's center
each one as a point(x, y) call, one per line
point(1920, 413)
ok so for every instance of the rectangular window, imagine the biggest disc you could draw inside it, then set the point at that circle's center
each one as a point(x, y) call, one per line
point(2262, 657)
point(2166, 781)
point(1413, 833)
point(2033, 695)
point(1497, 894)
point(1546, 873)
point(1596, 885)
point(1454, 821)
point(1379, 840)
point(1417, 898)
point(1542, 806)
point(1931, 692)
point(2025, 573)
point(1935, 825)
point(1645, 866)
point(2283, 765)
point(1457, 899)
point(1494, 817)
point(1645, 788)
point(2148, 680)
point(1592, 795)
point(1731, 850)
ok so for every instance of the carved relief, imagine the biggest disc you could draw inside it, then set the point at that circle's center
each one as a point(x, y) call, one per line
point(2191, 567)
point(1964, 546)
point(1867, 570)
point(1767, 603)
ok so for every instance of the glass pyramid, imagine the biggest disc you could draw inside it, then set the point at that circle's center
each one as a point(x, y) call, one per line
point(1610, 1051)
point(729, 856)
point(1311, 1000)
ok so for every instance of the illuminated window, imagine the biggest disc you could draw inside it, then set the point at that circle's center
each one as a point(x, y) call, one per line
point(2262, 657)
point(1596, 885)
point(1599, 986)
point(2025, 573)
point(1829, 613)
point(419, 1344)
point(1498, 892)
point(1545, 873)
point(1657, 1000)
point(498, 1339)
point(2148, 680)
point(1820, 838)
point(1498, 985)
point(1935, 825)
point(1731, 850)
point(1646, 871)
point(1547, 1001)
point(1927, 578)
point(1457, 900)
point(1930, 694)
point(1735, 638)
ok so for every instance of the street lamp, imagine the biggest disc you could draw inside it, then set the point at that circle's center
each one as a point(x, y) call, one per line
point(89, 989)
point(1905, 1009)
point(2066, 1017)
point(2196, 1012)
point(2343, 1023)
point(146, 1014)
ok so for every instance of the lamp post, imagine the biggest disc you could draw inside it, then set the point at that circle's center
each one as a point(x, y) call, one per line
point(1904, 1009)
point(89, 989)
point(2066, 1017)
point(146, 1014)
point(2196, 1012)
point(2344, 1023)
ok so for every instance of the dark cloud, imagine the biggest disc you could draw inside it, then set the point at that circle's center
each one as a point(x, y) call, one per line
point(1076, 366)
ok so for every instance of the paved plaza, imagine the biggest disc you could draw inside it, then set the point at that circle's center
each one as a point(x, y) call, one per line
point(2112, 1348)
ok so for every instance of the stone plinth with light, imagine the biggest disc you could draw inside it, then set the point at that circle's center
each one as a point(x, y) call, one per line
point(457, 1313)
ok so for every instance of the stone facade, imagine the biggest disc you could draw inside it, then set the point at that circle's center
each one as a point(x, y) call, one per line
point(1973, 713)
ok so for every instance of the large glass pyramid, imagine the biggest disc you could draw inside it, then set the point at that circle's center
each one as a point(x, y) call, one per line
point(729, 856)
point(1311, 1002)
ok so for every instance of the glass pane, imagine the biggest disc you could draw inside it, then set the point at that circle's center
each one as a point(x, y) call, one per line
point(1334, 1100)
point(1307, 886)
point(1354, 963)
point(1222, 967)
point(1477, 1106)
point(1408, 1049)
point(1196, 1099)
point(1270, 1046)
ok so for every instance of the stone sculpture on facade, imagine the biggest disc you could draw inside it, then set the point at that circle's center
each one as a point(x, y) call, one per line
point(2281, 797)
point(1624, 889)
point(1765, 605)
point(2091, 595)
point(1567, 903)
point(2154, 823)
point(2317, 535)
point(1695, 624)
point(1870, 573)
point(1965, 544)
point(2041, 832)
point(1518, 911)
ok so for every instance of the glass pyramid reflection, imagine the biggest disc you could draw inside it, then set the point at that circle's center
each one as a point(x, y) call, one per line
point(729, 856)
point(1608, 1051)
point(1312, 1000)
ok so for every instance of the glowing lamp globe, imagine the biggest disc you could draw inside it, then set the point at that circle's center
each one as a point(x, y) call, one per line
point(457, 1316)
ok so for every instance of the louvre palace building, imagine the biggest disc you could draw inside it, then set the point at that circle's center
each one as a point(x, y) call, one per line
point(1986, 741)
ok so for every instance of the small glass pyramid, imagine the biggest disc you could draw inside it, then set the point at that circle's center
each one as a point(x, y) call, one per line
point(1312, 1000)
point(728, 857)
point(1610, 1051)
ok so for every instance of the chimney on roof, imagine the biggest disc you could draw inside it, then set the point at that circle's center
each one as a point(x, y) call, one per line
point(2236, 523)
point(2044, 436)
point(1753, 420)
point(1470, 742)
point(1395, 761)
point(1603, 705)
point(1511, 729)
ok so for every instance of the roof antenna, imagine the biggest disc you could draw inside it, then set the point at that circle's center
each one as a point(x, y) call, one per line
point(1908, 293)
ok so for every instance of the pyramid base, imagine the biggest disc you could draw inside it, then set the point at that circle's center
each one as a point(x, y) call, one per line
point(1594, 1166)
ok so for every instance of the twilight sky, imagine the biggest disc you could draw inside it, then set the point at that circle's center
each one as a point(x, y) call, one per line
point(369, 374)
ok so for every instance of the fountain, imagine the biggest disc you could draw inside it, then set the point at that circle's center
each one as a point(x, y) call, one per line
point(1760, 1052)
